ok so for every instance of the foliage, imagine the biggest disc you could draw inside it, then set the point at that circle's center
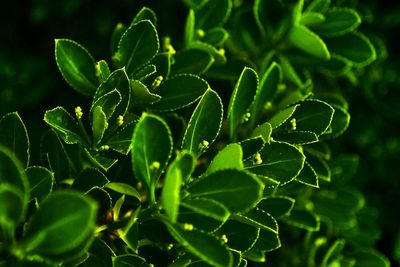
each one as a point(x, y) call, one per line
point(212, 149)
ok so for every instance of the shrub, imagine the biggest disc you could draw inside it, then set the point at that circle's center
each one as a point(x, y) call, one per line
point(210, 150)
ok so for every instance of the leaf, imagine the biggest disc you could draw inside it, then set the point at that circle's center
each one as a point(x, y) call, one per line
point(267, 241)
point(102, 70)
point(128, 260)
point(306, 40)
point(230, 157)
point(99, 124)
point(14, 136)
point(277, 206)
point(308, 176)
point(122, 140)
point(41, 182)
point(123, 188)
point(202, 245)
point(116, 35)
point(320, 167)
point(117, 80)
point(240, 236)
point(77, 66)
point(179, 170)
point(204, 124)
point(303, 219)
point(296, 137)
point(145, 72)
point(88, 179)
point(64, 124)
point(230, 70)
point(338, 21)
point(224, 186)
point(251, 146)
point(189, 28)
point(312, 19)
point(64, 221)
point(281, 162)
point(152, 147)
point(258, 218)
point(194, 61)
point(145, 14)
point(215, 36)
point(212, 14)
point(354, 47)
point(264, 131)
point(319, 6)
point(12, 207)
point(141, 95)
point(207, 207)
point(340, 122)
point(103, 200)
point(333, 252)
point(282, 116)
point(271, 17)
point(343, 168)
point(217, 54)
point(313, 115)
point(241, 99)
point(266, 91)
point(138, 45)
point(179, 91)
point(370, 258)
point(200, 219)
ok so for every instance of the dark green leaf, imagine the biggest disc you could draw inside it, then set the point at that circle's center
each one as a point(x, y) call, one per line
point(308, 176)
point(12, 207)
point(41, 182)
point(319, 150)
point(280, 161)
point(338, 21)
point(194, 61)
point(99, 124)
point(88, 179)
point(230, 70)
point(213, 14)
point(152, 147)
point(216, 36)
point(241, 99)
point(303, 219)
point(145, 72)
point(217, 54)
point(108, 102)
point(77, 66)
point(333, 252)
point(179, 91)
point(296, 137)
point(129, 260)
point(138, 45)
point(145, 14)
point(207, 207)
point(370, 258)
point(240, 236)
point(277, 206)
point(271, 16)
point(319, 6)
point(251, 146)
point(204, 222)
point(63, 222)
point(320, 167)
point(312, 18)
point(141, 95)
point(122, 140)
point(230, 157)
point(204, 124)
point(99, 160)
point(306, 40)
point(123, 188)
point(224, 186)
point(14, 136)
point(353, 46)
point(266, 91)
point(282, 116)
point(267, 241)
point(258, 218)
point(343, 168)
point(103, 200)
point(340, 122)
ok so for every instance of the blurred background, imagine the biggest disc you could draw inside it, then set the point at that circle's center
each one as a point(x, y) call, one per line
point(31, 83)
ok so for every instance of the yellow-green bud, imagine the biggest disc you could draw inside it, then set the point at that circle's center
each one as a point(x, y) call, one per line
point(293, 123)
point(78, 112)
point(157, 81)
point(221, 51)
point(203, 145)
point(224, 239)
point(258, 159)
point(154, 166)
point(104, 148)
point(246, 117)
point(188, 227)
point(200, 33)
point(120, 120)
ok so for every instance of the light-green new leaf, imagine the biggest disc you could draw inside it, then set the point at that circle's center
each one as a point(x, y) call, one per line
point(204, 125)
point(14, 136)
point(151, 149)
point(99, 124)
point(77, 66)
point(230, 157)
point(303, 38)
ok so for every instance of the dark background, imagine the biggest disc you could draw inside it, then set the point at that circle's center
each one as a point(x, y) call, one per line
point(31, 83)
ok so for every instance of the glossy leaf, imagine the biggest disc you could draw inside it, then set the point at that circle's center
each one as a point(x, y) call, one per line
point(306, 40)
point(340, 122)
point(14, 136)
point(88, 179)
point(189, 32)
point(179, 91)
point(311, 19)
point(277, 206)
point(77, 66)
point(102, 70)
point(296, 137)
point(152, 147)
point(282, 116)
point(308, 176)
point(217, 54)
point(194, 61)
point(338, 21)
point(320, 167)
point(303, 219)
point(213, 14)
point(108, 102)
point(224, 186)
point(230, 157)
point(123, 188)
point(264, 131)
point(122, 139)
point(99, 124)
point(251, 146)
point(41, 182)
point(141, 95)
point(281, 162)
point(240, 236)
point(207, 207)
point(215, 36)
point(138, 45)
point(241, 99)
point(145, 14)
point(258, 218)
point(267, 241)
point(204, 124)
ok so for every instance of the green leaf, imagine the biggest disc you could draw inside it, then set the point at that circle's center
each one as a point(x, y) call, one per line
point(296, 137)
point(251, 146)
point(202, 245)
point(141, 95)
point(354, 46)
point(370, 258)
point(303, 219)
point(320, 167)
point(343, 168)
point(102, 70)
point(313, 115)
point(230, 157)
point(204, 124)
point(64, 221)
point(189, 28)
point(241, 99)
point(201, 219)
point(103, 200)
point(281, 162)
point(312, 18)
point(117, 80)
point(64, 124)
point(179, 91)
point(213, 14)
point(267, 241)
point(14, 136)
point(319, 6)
point(145, 72)
point(240, 236)
point(277, 206)
point(138, 45)
point(333, 252)
point(99, 124)
point(282, 116)
point(319, 150)
point(122, 140)
point(194, 61)
point(306, 40)
point(152, 147)
point(108, 103)
point(123, 188)
point(207, 207)
point(258, 218)
point(340, 122)
point(215, 36)
point(12, 207)
point(130, 233)
point(145, 14)
point(266, 91)
point(264, 131)
point(179, 170)
point(41, 182)
point(88, 179)
point(224, 186)
point(271, 17)
point(229, 71)
point(338, 21)
point(77, 66)
point(116, 35)
point(217, 54)
point(128, 260)
point(308, 176)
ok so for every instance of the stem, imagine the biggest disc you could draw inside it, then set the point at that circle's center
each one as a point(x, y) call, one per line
point(84, 131)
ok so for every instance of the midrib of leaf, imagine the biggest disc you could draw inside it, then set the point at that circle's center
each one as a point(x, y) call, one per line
point(76, 70)
point(41, 181)
point(271, 163)
point(134, 49)
point(321, 113)
point(221, 191)
point(195, 125)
